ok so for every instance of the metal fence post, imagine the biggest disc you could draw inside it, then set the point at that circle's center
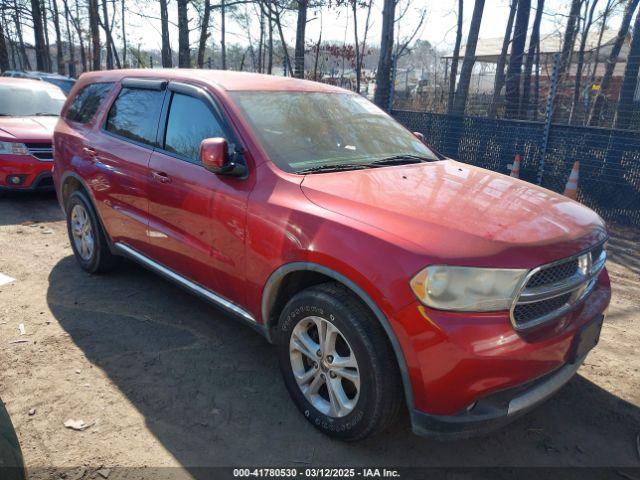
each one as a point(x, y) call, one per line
point(549, 115)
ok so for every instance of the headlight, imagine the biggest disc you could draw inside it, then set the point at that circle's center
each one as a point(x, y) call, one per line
point(467, 288)
point(13, 148)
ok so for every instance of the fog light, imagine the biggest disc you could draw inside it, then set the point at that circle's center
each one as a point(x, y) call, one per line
point(15, 179)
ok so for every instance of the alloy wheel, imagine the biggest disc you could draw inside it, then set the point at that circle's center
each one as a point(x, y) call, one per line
point(324, 366)
point(82, 232)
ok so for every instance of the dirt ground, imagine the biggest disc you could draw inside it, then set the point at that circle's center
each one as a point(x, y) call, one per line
point(164, 379)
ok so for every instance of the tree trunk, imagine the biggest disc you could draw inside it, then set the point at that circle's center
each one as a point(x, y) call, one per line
point(41, 54)
point(204, 33)
point(223, 33)
point(285, 50)
point(4, 53)
point(124, 36)
point(298, 63)
point(72, 53)
point(107, 32)
point(270, 53)
point(184, 55)
point(525, 106)
point(626, 104)
point(354, 6)
point(385, 62)
point(569, 36)
point(261, 44)
point(580, 63)
point(56, 25)
point(167, 62)
point(454, 60)
point(605, 14)
point(95, 34)
point(514, 71)
point(23, 50)
point(502, 61)
point(45, 31)
point(462, 91)
point(594, 118)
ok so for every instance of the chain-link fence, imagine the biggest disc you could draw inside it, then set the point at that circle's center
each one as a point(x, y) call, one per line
point(609, 158)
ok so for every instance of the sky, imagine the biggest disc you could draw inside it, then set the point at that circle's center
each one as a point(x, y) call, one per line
point(438, 28)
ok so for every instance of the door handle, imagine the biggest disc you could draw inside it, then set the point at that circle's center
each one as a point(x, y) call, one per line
point(161, 177)
point(90, 151)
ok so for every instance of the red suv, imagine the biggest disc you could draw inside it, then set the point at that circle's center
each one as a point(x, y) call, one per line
point(383, 272)
point(29, 110)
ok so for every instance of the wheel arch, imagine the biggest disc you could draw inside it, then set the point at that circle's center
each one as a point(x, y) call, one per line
point(313, 273)
point(71, 182)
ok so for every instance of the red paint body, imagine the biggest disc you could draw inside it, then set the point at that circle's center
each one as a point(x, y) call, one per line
point(376, 227)
point(36, 131)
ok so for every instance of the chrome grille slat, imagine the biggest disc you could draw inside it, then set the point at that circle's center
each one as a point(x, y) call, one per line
point(568, 282)
point(42, 151)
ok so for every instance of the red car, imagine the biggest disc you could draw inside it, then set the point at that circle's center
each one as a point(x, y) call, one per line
point(29, 110)
point(384, 273)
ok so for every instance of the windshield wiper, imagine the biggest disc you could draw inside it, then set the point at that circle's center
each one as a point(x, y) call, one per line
point(333, 168)
point(45, 114)
point(400, 160)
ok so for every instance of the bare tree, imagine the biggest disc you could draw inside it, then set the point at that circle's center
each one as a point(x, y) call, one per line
point(534, 44)
point(38, 33)
point(70, 43)
point(594, 117)
point(23, 50)
point(298, 59)
point(4, 53)
point(454, 60)
point(95, 34)
point(580, 64)
point(204, 32)
point(56, 26)
point(383, 75)
point(184, 54)
point(462, 91)
point(569, 36)
point(502, 61)
point(124, 36)
point(630, 80)
point(514, 72)
point(167, 62)
point(223, 31)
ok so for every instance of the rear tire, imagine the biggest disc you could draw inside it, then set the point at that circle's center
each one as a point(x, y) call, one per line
point(337, 363)
point(87, 238)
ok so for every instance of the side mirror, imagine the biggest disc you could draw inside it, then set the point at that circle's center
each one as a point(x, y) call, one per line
point(214, 155)
point(419, 136)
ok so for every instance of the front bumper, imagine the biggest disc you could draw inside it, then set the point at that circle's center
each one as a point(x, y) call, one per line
point(472, 373)
point(35, 174)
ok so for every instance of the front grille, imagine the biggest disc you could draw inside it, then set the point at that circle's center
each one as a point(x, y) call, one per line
point(554, 274)
point(42, 151)
point(527, 312)
point(552, 290)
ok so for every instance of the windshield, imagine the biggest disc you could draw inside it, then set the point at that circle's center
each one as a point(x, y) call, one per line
point(303, 130)
point(18, 101)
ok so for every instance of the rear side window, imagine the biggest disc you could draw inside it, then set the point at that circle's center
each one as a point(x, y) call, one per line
point(134, 114)
point(86, 103)
point(190, 121)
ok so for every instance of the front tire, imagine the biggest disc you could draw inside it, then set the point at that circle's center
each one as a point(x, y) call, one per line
point(337, 363)
point(88, 241)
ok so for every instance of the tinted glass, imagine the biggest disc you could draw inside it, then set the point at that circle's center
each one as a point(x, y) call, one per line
point(300, 130)
point(190, 121)
point(87, 101)
point(135, 113)
point(22, 101)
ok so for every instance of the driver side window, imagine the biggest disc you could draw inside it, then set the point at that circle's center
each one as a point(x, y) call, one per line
point(190, 121)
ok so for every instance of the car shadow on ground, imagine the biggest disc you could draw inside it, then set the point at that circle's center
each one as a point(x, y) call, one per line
point(30, 207)
point(210, 390)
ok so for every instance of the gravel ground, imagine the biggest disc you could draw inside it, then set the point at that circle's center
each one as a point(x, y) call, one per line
point(163, 379)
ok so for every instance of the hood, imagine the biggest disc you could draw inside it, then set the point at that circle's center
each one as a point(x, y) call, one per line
point(28, 128)
point(461, 214)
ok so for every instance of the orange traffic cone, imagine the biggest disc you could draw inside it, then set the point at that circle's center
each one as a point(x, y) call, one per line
point(515, 168)
point(571, 190)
